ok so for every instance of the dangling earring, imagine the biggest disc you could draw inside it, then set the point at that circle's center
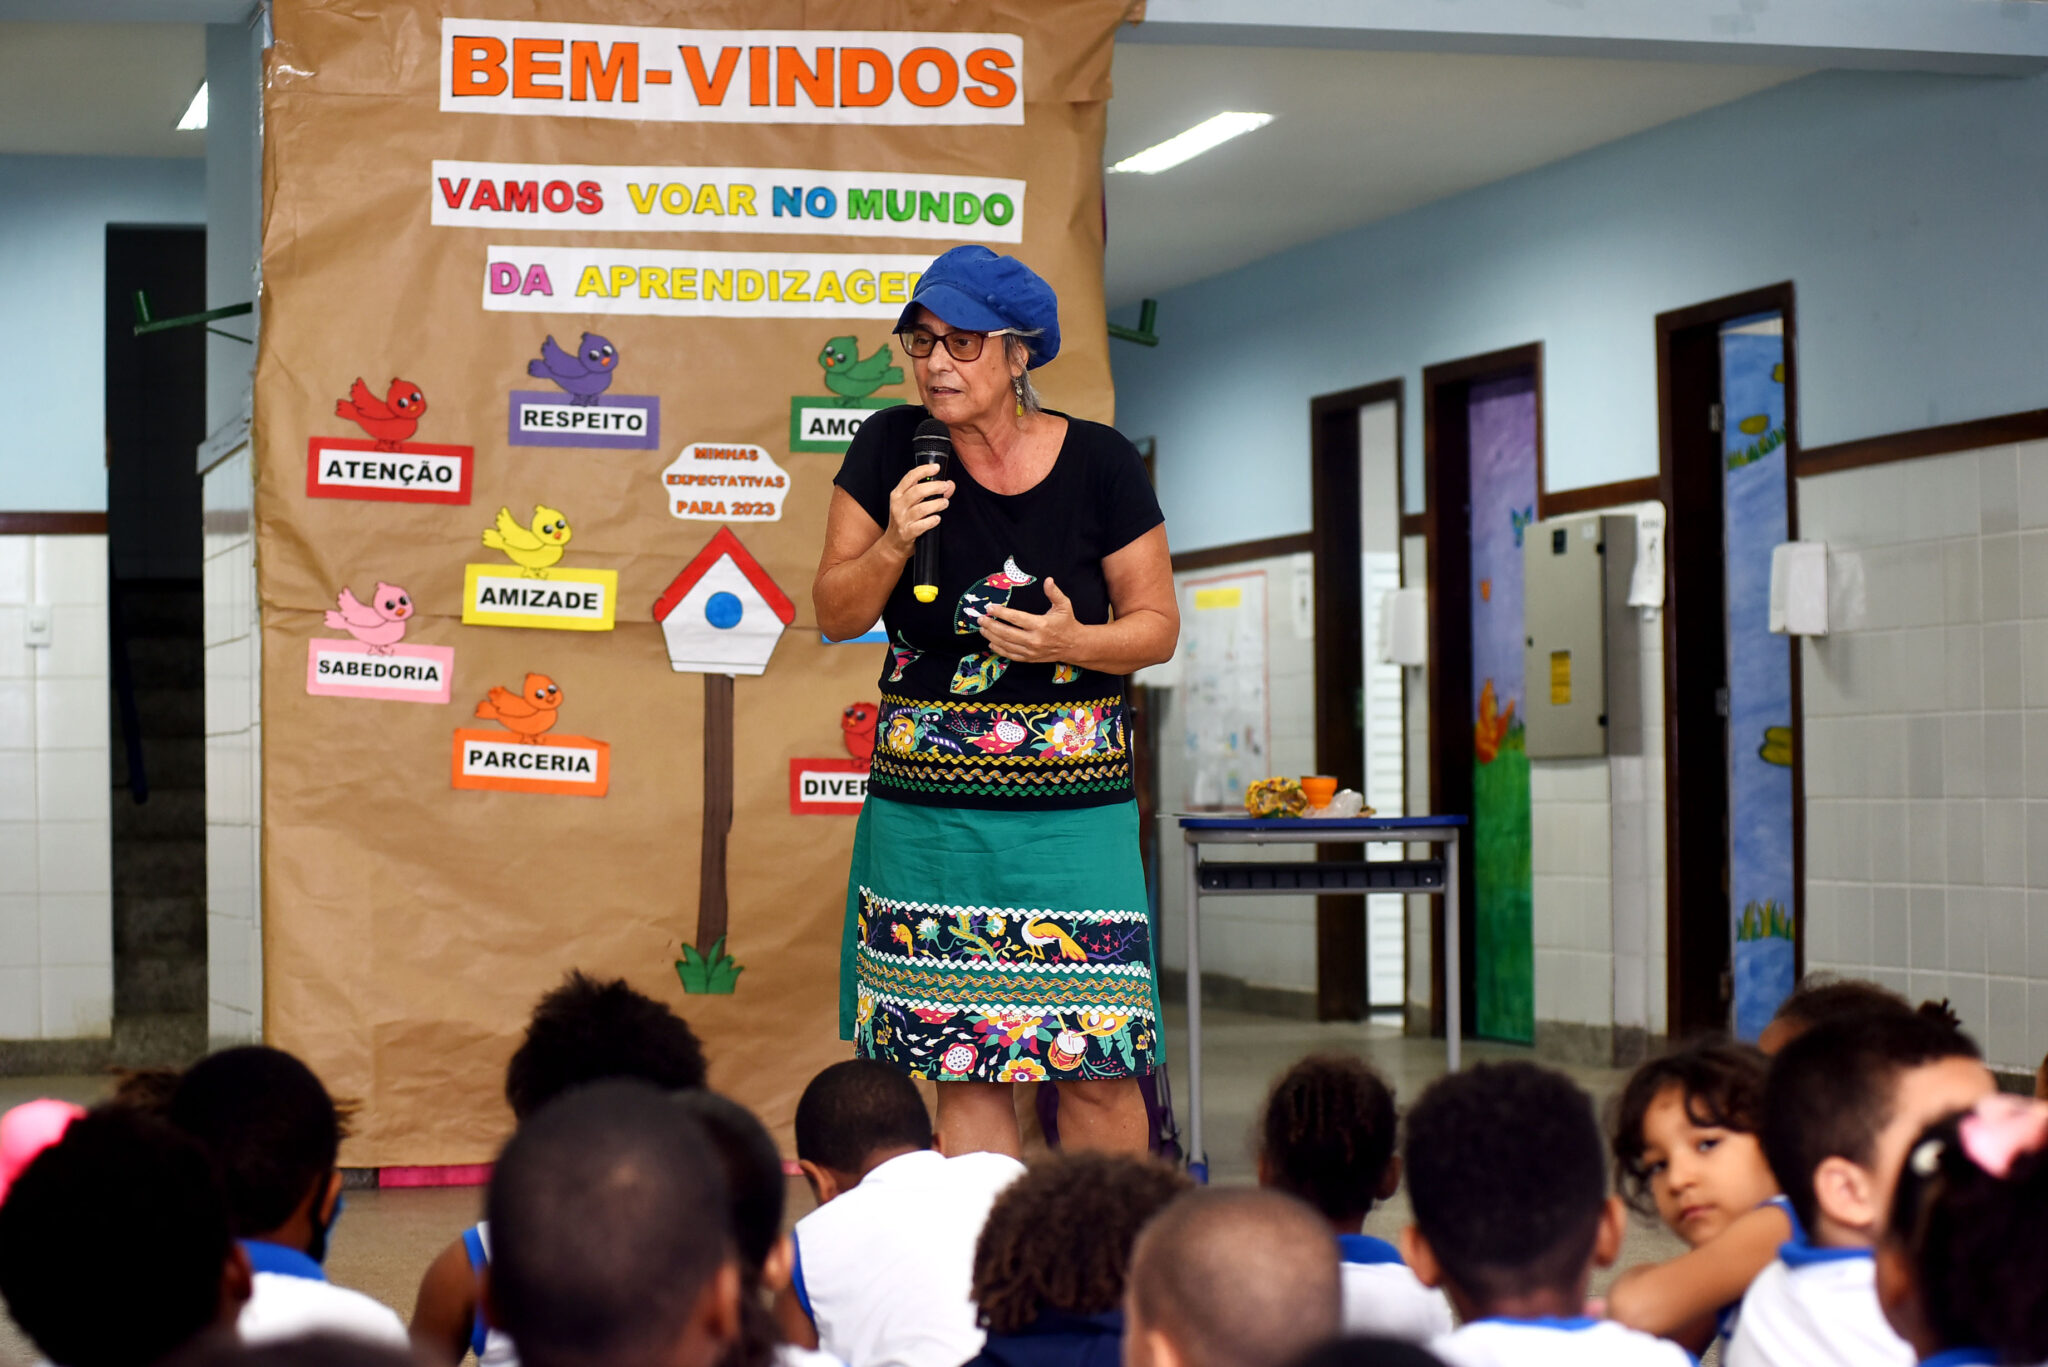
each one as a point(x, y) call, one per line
point(1017, 384)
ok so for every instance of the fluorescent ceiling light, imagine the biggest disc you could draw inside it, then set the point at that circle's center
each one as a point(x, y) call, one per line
point(195, 112)
point(1213, 131)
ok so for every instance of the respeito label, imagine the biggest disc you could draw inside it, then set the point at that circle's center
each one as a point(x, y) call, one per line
point(678, 75)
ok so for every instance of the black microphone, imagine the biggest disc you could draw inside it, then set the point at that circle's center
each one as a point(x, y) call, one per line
point(933, 445)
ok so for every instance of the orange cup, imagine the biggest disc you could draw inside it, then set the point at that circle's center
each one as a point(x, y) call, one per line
point(1318, 789)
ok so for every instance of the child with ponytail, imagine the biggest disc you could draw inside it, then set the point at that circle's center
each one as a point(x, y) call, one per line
point(1962, 1270)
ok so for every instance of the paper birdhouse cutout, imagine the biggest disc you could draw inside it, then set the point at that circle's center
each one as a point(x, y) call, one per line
point(722, 614)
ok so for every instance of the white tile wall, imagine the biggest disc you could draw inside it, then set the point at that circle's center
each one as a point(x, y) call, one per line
point(1927, 736)
point(234, 750)
point(56, 813)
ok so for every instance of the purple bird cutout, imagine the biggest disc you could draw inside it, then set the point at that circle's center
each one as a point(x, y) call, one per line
point(585, 375)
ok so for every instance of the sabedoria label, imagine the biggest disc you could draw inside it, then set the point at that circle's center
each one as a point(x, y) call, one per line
point(399, 673)
point(414, 472)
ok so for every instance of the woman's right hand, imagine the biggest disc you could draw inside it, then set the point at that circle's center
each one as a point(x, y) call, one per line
point(914, 507)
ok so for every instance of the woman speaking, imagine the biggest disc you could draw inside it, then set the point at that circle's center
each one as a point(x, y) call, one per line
point(996, 922)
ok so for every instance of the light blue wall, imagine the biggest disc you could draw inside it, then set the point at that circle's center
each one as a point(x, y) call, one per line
point(1910, 211)
point(54, 212)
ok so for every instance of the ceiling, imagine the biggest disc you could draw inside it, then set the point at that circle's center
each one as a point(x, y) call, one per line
point(99, 89)
point(1358, 136)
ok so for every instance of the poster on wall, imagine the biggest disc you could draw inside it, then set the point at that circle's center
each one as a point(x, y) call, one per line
point(1761, 884)
point(633, 248)
point(1223, 663)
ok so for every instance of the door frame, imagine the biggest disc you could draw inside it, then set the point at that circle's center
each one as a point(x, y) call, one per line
point(1445, 481)
point(1337, 539)
point(1689, 1004)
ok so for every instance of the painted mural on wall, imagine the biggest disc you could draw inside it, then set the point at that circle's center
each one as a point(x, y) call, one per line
point(1501, 419)
point(1760, 881)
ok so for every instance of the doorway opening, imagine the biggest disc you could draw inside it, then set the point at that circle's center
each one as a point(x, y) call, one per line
point(155, 421)
point(1482, 424)
point(1734, 799)
point(1355, 474)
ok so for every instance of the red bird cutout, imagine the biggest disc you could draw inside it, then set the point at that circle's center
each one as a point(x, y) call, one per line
point(389, 420)
point(857, 723)
point(528, 714)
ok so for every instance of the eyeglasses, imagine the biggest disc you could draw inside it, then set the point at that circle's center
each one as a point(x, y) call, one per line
point(961, 346)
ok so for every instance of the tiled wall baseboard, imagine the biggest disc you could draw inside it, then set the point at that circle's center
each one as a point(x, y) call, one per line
point(53, 1057)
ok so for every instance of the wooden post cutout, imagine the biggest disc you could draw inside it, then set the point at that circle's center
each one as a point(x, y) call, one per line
point(705, 966)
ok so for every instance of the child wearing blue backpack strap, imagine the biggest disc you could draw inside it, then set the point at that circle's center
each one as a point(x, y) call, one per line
point(582, 1032)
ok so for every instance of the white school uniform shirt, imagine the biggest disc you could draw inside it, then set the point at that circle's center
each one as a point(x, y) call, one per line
point(1816, 1307)
point(1381, 1296)
point(885, 1270)
point(1564, 1342)
point(291, 1296)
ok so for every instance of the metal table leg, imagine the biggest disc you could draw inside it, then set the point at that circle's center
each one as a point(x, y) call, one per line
point(1454, 1006)
point(1198, 1155)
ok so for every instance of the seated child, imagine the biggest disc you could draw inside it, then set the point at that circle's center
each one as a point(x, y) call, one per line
point(1508, 1178)
point(274, 1137)
point(1843, 1103)
point(1822, 997)
point(1231, 1278)
point(1328, 1138)
point(1049, 1266)
point(581, 1032)
point(1686, 1149)
point(114, 1244)
point(612, 1244)
point(756, 1191)
point(314, 1350)
point(883, 1266)
point(1963, 1265)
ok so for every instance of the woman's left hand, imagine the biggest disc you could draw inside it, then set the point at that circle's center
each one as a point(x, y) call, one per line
point(1034, 638)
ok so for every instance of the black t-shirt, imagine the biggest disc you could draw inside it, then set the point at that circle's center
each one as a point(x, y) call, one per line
point(961, 725)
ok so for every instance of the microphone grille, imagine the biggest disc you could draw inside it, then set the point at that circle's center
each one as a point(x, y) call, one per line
point(932, 439)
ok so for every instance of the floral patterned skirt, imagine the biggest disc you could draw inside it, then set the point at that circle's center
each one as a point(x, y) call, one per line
point(999, 946)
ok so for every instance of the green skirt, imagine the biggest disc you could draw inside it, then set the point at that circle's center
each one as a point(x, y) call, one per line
point(999, 946)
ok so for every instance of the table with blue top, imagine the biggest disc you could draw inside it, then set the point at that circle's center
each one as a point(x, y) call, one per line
point(1222, 877)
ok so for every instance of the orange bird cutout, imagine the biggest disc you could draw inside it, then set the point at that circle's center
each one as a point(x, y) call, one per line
point(1492, 726)
point(528, 714)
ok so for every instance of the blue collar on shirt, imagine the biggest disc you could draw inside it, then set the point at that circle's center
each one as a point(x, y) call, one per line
point(1365, 1249)
point(285, 1262)
point(1567, 1325)
point(1798, 1253)
point(1962, 1357)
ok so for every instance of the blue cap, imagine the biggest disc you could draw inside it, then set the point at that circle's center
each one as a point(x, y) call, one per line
point(972, 288)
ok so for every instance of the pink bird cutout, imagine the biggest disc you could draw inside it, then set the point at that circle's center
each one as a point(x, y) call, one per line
point(380, 623)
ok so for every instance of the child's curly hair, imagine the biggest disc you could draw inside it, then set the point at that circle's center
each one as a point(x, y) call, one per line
point(1327, 1134)
point(1060, 1236)
point(1722, 1083)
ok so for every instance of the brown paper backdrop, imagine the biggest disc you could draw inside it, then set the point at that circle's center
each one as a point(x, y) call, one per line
point(408, 927)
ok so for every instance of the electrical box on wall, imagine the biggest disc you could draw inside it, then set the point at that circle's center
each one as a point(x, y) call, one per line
point(1565, 568)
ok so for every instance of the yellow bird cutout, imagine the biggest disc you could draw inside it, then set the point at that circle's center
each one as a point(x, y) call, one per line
point(535, 550)
point(1039, 934)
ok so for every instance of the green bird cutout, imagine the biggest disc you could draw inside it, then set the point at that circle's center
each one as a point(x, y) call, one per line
point(852, 378)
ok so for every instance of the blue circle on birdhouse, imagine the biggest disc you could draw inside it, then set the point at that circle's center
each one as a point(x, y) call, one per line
point(723, 610)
